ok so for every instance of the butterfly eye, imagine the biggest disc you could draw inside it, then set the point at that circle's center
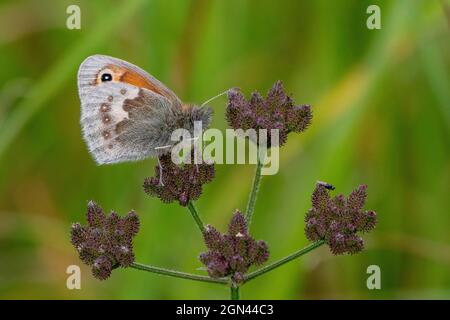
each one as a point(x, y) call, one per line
point(106, 77)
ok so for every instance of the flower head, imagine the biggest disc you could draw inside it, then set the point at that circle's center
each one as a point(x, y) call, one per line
point(180, 183)
point(106, 242)
point(276, 111)
point(232, 253)
point(337, 220)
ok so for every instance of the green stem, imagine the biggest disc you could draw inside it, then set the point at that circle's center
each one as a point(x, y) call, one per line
point(178, 274)
point(195, 215)
point(284, 260)
point(254, 192)
point(234, 293)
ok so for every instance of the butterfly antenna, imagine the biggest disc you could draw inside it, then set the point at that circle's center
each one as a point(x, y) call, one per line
point(215, 97)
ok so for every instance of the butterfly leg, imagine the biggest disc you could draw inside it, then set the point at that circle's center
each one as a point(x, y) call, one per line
point(160, 173)
point(197, 154)
point(160, 166)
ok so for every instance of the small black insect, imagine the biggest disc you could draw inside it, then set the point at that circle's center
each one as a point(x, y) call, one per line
point(326, 185)
point(106, 77)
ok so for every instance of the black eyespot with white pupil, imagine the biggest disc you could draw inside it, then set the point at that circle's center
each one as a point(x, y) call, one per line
point(106, 77)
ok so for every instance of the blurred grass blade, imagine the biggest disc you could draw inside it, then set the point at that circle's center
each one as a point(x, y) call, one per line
point(434, 66)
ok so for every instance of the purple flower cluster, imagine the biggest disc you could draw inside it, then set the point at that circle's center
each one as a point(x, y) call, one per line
point(233, 253)
point(337, 220)
point(106, 243)
point(276, 111)
point(180, 183)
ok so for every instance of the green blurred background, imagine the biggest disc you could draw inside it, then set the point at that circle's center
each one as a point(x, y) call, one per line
point(381, 117)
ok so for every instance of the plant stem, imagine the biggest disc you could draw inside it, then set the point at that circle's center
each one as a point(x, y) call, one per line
point(234, 292)
point(284, 260)
point(178, 274)
point(254, 192)
point(194, 213)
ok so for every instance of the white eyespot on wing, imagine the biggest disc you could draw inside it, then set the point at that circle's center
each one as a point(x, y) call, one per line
point(107, 99)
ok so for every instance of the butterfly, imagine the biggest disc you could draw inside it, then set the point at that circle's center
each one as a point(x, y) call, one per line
point(127, 114)
point(326, 185)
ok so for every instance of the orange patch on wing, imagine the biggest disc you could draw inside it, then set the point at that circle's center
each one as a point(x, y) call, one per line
point(139, 81)
point(124, 75)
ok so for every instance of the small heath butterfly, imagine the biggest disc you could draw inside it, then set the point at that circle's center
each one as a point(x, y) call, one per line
point(126, 114)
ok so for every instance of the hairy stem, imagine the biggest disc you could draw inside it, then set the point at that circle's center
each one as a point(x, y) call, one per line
point(284, 260)
point(254, 191)
point(195, 215)
point(178, 274)
point(234, 293)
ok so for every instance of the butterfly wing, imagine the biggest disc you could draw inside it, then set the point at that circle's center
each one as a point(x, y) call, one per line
point(123, 110)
